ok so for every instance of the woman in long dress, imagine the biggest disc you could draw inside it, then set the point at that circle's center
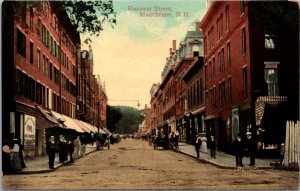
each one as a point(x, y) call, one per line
point(15, 156)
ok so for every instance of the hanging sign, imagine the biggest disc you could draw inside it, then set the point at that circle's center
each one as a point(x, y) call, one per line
point(29, 131)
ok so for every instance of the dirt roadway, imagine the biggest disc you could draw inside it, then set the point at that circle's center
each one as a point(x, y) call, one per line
point(133, 164)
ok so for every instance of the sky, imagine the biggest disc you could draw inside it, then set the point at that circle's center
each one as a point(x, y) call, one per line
point(131, 57)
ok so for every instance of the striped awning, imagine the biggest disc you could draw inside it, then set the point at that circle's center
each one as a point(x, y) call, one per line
point(262, 101)
point(68, 122)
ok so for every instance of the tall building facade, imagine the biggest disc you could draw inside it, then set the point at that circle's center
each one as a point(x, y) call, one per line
point(40, 66)
point(248, 53)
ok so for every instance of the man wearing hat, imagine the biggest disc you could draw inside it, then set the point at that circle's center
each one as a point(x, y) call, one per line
point(239, 150)
point(198, 143)
point(51, 149)
point(251, 146)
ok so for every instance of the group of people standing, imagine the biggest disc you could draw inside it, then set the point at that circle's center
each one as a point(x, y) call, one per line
point(74, 149)
point(243, 148)
point(12, 156)
point(212, 145)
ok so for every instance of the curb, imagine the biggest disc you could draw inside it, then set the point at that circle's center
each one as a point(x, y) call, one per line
point(216, 164)
point(46, 170)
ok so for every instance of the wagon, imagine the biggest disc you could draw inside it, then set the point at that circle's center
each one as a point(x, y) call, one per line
point(161, 142)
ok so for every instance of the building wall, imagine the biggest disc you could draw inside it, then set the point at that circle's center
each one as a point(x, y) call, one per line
point(33, 79)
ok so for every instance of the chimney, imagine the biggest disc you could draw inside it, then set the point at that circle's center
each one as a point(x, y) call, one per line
point(174, 45)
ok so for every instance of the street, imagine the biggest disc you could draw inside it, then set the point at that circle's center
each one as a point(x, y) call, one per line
point(133, 164)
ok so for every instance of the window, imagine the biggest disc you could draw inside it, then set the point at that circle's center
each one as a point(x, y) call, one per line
point(24, 12)
point(21, 43)
point(245, 81)
point(31, 52)
point(38, 59)
point(56, 75)
point(214, 67)
point(227, 18)
point(222, 60)
point(31, 19)
point(201, 91)
point(228, 55)
point(50, 71)
point(214, 99)
point(271, 78)
point(270, 38)
point(221, 26)
point(244, 40)
point(38, 93)
point(242, 7)
point(44, 64)
point(38, 30)
point(205, 73)
point(229, 91)
point(222, 94)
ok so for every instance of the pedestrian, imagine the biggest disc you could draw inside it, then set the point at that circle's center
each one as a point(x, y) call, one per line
point(239, 150)
point(77, 146)
point(251, 148)
point(176, 137)
point(82, 148)
point(21, 151)
point(213, 146)
point(107, 143)
point(71, 150)
point(62, 149)
point(51, 150)
point(15, 156)
point(198, 143)
point(6, 158)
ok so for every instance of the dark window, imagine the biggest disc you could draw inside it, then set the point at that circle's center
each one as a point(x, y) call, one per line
point(228, 55)
point(24, 12)
point(229, 91)
point(245, 87)
point(39, 28)
point(21, 43)
point(38, 59)
point(227, 18)
point(242, 7)
point(56, 75)
point(31, 52)
point(244, 40)
point(31, 19)
point(50, 71)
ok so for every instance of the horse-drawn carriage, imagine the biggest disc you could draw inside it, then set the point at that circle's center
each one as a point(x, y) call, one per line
point(161, 142)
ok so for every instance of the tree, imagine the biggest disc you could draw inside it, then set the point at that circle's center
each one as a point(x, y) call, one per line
point(114, 115)
point(131, 118)
point(89, 16)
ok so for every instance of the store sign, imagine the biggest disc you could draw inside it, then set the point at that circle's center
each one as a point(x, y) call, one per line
point(29, 131)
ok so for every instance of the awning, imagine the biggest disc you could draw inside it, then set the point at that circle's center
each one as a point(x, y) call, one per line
point(68, 122)
point(48, 117)
point(260, 105)
point(106, 131)
point(82, 126)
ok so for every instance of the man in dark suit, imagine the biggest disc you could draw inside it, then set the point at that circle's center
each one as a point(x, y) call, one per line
point(51, 149)
point(239, 150)
point(198, 143)
point(251, 147)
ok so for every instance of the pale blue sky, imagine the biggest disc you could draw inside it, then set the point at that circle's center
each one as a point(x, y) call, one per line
point(131, 57)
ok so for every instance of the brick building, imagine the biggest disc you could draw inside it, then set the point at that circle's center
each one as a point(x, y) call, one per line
point(249, 55)
point(42, 54)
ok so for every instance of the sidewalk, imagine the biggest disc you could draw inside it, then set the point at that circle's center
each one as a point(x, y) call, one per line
point(40, 164)
point(222, 160)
